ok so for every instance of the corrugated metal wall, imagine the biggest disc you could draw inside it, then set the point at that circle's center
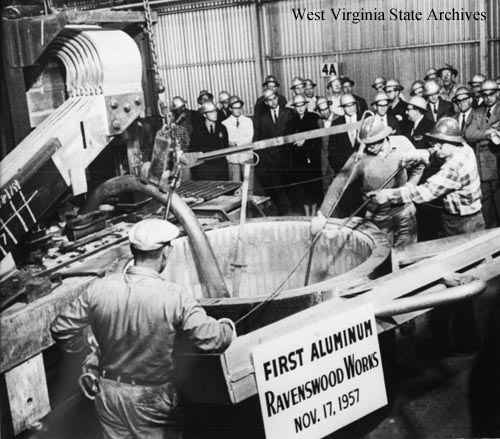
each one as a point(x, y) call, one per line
point(215, 48)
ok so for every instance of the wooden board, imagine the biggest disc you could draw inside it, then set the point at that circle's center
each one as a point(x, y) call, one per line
point(27, 392)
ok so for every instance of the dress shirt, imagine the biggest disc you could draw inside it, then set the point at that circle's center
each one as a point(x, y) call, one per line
point(335, 107)
point(134, 317)
point(241, 134)
point(351, 133)
point(457, 180)
point(463, 119)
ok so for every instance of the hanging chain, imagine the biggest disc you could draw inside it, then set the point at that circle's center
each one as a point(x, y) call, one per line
point(152, 46)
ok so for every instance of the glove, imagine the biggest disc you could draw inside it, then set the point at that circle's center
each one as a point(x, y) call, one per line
point(317, 223)
point(230, 323)
point(414, 158)
point(383, 196)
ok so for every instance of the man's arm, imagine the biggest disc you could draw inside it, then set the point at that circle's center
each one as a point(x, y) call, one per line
point(476, 131)
point(67, 328)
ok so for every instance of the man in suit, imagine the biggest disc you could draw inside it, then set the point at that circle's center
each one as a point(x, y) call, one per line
point(475, 84)
point(436, 105)
point(341, 147)
point(309, 94)
point(209, 135)
point(326, 118)
point(463, 100)
point(381, 105)
point(379, 84)
point(397, 106)
point(297, 88)
point(274, 164)
point(347, 85)
point(419, 124)
point(223, 112)
point(417, 88)
point(269, 83)
point(485, 121)
point(334, 93)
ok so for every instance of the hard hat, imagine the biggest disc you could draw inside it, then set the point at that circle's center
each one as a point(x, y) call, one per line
point(345, 79)
point(323, 103)
point(331, 79)
point(449, 67)
point(392, 84)
point(178, 103)
point(207, 107)
point(381, 96)
point(418, 84)
point(270, 78)
point(446, 129)
point(377, 81)
point(296, 82)
point(431, 88)
point(418, 102)
point(223, 96)
point(268, 93)
point(489, 84)
point(347, 99)
point(299, 100)
point(462, 91)
point(206, 93)
point(309, 83)
point(477, 79)
point(430, 74)
point(152, 234)
point(373, 130)
point(233, 100)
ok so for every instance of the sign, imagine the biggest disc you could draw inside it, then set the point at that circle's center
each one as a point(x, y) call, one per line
point(314, 381)
point(329, 68)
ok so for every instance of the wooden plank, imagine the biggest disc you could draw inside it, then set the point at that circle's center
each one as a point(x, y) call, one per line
point(27, 392)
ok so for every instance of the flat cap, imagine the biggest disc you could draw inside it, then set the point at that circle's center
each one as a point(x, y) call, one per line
point(152, 234)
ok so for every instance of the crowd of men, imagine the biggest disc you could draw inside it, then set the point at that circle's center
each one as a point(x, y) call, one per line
point(296, 176)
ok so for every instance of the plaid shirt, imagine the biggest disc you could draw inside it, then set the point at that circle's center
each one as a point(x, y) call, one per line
point(457, 180)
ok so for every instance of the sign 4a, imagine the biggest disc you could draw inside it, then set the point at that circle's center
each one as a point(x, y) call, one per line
point(314, 381)
point(329, 68)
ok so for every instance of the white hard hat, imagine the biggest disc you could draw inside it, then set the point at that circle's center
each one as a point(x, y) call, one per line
point(152, 234)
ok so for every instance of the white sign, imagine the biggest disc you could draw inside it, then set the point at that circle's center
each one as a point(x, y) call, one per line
point(314, 381)
point(329, 68)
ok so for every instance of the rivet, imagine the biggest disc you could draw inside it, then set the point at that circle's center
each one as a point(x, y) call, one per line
point(138, 100)
point(117, 124)
point(114, 104)
point(127, 108)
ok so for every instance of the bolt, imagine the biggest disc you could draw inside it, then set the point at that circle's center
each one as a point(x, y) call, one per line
point(117, 124)
point(114, 104)
point(138, 100)
point(127, 108)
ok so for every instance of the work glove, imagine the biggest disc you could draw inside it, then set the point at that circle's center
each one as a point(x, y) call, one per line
point(317, 223)
point(230, 323)
point(414, 158)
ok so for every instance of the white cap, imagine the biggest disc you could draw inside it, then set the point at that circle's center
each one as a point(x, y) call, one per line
point(152, 234)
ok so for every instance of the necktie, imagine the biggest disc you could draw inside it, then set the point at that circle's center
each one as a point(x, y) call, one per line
point(211, 129)
point(462, 125)
point(237, 123)
point(435, 111)
point(275, 117)
point(413, 130)
point(488, 114)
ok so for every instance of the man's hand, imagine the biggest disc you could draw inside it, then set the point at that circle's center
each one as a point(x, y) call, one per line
point(383, 196)
point(230, 323)
point(317, 223)
point(414, 158)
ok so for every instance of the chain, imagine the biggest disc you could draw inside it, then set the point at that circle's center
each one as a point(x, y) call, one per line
point(152, 45)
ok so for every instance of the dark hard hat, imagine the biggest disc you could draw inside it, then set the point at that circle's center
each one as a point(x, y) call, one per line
point(373, 130)
point(346, 79)
point(446, 129)
point(449, 67)
point(270, 78)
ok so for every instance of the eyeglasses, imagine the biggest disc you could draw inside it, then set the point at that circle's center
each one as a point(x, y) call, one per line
point(487, 94)
point(460, 101)
point(382, 105)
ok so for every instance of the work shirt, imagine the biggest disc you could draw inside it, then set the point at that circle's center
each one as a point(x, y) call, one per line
point(135, 317)
point(447, 95)
point(239, 131)
point(457, 180)
point(374, 170)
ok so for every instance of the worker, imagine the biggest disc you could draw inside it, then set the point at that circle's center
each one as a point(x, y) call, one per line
point(135, 316)
point(240, 132)
point(309, 86)
point(458, 183)
point(475, 84)
point(223, 111)
point(383, 155)
point(297, 88)
point(418, 124)
point(397, 106)
point(431, 74)
point(334, 93)
point(437, 106)
point(381, 106)
point(347, 85)
point(448, 73)
point(379, 84)
point(482, 131)
point(417, 88)
point(463, 100)
point(270, 83)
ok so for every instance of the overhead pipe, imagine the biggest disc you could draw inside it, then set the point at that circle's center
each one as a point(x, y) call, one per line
point(212, 280)
point(442, 297)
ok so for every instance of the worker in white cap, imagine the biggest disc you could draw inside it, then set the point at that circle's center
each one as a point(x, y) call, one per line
point(135, 316)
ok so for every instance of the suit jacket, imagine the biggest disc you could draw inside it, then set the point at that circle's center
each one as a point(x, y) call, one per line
point(487, 153)
point(362, 105)
point(418, 136)
point(264, 126)
point(223, 114)
point(340, 147)
point(468, 120)
point(261, 106)
point(393, 123)
point(399, 112)
point(445, 109)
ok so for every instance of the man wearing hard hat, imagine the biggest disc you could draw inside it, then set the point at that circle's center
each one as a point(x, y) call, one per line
point(135, 316)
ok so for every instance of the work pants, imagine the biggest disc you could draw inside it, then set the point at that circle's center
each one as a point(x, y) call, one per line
point(399, 225)
point(129, 411)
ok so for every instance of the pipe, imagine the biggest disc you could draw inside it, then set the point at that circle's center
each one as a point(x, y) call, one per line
point(212, 280)
point(431, 300)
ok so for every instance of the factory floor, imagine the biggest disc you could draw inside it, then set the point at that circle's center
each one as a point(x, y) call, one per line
point(434, 397)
